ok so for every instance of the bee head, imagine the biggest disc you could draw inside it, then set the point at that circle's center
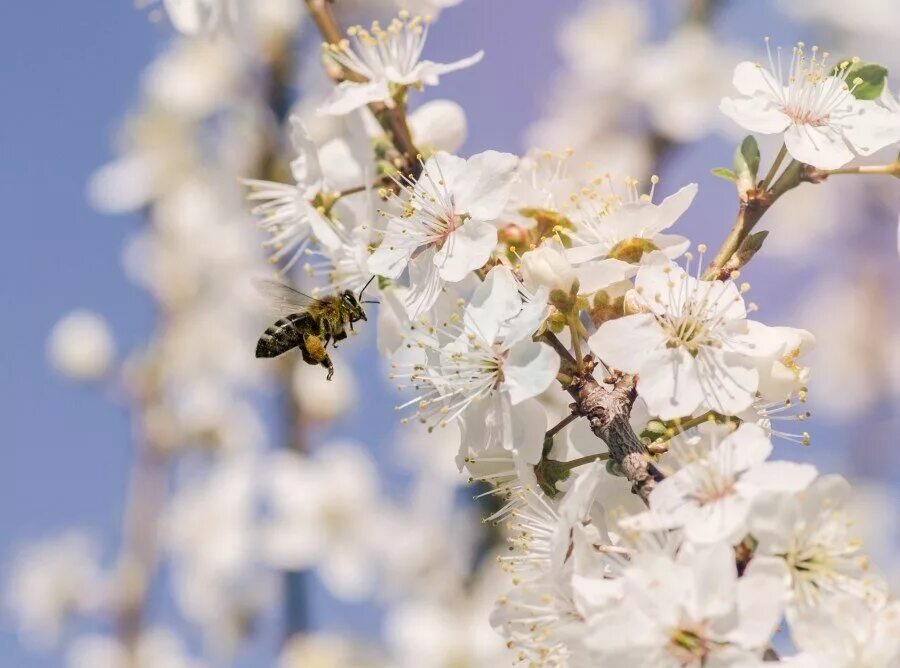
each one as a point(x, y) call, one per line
point(351, 303)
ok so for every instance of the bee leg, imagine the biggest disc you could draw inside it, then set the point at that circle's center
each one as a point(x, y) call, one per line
point(328, 365)
point(314, 349)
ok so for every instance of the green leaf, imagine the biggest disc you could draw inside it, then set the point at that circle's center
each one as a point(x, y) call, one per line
point(866, 80)
point(746, 162)
point(723, 173)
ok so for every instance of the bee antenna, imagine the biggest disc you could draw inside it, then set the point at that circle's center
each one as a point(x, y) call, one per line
point(370, 301)
point(364, 287)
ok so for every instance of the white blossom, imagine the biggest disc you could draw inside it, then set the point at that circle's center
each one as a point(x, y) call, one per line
point(292, 215)
point(155, 647)
point(50, 581)
point(385, 58)
point(824, 125)
point(807, 538)
point(692, 346)
point(711, 498)
point(848, 633)
point(81, 346)
point(619, 229)
point(488, 370)
point(320, 510)
point(688, 611)
point(443, 230)
point(194, 17)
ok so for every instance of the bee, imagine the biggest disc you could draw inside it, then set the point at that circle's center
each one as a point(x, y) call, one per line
point(309, 323)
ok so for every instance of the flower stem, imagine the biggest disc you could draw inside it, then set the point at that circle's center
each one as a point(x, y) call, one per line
point(891, 169)
point(562, 424)
point(581, 461)
point(751, 211)
point(774, 168)
point(576, 341)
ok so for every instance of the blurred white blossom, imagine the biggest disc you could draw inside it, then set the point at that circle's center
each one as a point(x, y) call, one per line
point(81, 346)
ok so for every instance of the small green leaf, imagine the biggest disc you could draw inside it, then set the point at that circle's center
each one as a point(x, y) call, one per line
point(746, 162)
point(723, 173)
point(866, 80)
point(750, 152)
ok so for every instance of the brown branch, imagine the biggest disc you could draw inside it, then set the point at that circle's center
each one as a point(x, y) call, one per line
point(607, 412)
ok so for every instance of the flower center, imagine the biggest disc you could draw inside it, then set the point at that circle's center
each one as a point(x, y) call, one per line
point(687, 331)
point(688, 643)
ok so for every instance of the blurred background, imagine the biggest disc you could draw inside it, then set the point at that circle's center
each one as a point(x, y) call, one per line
point(127, 323)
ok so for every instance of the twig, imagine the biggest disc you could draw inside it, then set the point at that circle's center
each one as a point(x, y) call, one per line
point(562, 424)
point(773, 170)
point(814, 175)
point(751, 211)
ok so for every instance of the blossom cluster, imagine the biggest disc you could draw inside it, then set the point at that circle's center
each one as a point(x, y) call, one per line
point(604, 380)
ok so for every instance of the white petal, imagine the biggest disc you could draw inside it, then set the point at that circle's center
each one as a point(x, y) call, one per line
point(465, 249)
point(669, 383)
point(341, 166)
point(751, 78)
point(871, 127)
point(674, 206)
point(779, 476)
point(594, 276)
point(430, 72)
point(823, 148)
point(626, 343)
point(672, 245)
point(440, 174)
point(772, 522)
point(742, 449)
point(524, 325)
point(722, 520)
point(425, 284)
point(483, 189)
point(729, 380)
point(715, 577)
point(392, 256)
point(586, 253)
point(321, 228)
point(643, 219)
point(349, 95)
point(530, 424)
point(495, 301)
point(530, 369)
point(760, 599)
point(659, 283)
point(755, 114)
point(306, 168)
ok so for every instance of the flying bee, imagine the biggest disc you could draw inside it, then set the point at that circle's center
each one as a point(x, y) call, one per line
point(309, 323)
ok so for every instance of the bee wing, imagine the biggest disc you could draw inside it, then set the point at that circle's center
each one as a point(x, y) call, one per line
point(282, 299)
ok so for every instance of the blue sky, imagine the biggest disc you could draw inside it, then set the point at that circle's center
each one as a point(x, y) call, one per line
point(69, 71)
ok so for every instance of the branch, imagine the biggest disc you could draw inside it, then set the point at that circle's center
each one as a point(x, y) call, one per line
point(607, 412)
point(753, 207)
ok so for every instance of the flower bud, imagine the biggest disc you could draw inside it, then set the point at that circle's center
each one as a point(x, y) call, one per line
point(81, 346)
point(547, 267)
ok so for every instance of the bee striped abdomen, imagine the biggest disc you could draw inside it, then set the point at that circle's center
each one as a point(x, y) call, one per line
point(280, 337)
